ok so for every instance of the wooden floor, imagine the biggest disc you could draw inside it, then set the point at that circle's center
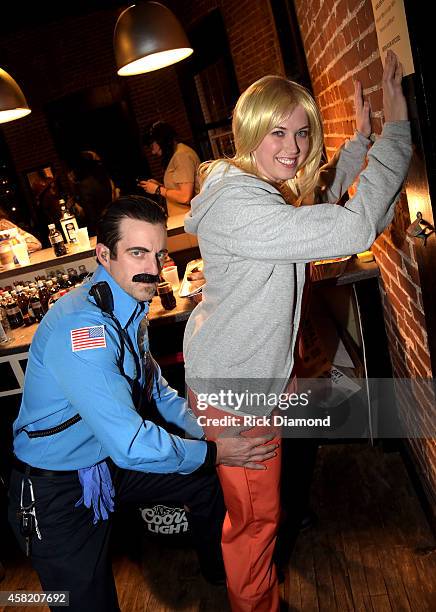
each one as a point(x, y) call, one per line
point(372, 550)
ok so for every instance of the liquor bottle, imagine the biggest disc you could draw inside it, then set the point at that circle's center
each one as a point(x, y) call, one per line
point(73, 276)
point(51, 288)
point(4, 323)
point(21, 298)
point(44, 295)
point(14, 314)
point(68, 223)
point(35, 306)
point(169, 261)
point(3, 336)
point(66, 282)
point(56, 241)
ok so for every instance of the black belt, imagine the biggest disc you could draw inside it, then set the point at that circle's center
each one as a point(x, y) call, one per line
point(24, 468)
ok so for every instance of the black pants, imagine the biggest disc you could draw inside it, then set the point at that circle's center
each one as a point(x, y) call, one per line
point(73, 553)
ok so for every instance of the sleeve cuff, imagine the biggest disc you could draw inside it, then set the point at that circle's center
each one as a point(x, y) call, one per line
point(209, 460)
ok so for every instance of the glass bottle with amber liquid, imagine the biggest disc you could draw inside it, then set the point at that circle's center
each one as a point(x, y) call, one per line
point(44, 295)
point(14, 314)
point(35, 305)
point(56, 241)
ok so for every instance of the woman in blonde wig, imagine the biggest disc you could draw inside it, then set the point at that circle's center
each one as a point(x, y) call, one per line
point(240, 340)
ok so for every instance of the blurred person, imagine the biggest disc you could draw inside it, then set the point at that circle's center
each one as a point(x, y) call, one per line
point(92, 187)
point(180, 163)
point(33, 244)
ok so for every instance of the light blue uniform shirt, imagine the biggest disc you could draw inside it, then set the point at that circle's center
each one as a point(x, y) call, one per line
point(61, 382)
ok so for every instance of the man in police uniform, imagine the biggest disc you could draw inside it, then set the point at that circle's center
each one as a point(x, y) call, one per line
point(81, 444)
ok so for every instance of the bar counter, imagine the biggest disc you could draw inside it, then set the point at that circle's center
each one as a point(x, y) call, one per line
point(46, 259)
point(335, 274)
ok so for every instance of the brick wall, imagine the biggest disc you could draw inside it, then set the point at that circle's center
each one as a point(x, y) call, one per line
point(341, 45)
point(251, 33)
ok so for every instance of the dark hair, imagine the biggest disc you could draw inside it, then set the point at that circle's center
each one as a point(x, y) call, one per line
point(131, 207)
point(165, 136)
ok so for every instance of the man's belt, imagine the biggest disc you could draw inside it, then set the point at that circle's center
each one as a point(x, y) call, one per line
point(29, 470)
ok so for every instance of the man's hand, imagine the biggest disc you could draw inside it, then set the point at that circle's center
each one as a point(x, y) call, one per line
point(394, 102)
point(236, 450)
point(362, 109)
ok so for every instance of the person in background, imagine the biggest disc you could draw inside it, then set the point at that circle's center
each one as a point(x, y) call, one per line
point(255, 247)
point(116, 192)
point(82, 442)
point(180, 164)
point(92, 187)
point(33, 244)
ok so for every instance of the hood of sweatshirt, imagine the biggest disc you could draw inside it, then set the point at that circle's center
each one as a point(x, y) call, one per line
point(224, 176)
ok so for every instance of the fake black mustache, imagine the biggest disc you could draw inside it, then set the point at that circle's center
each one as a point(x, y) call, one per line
point(146, 278)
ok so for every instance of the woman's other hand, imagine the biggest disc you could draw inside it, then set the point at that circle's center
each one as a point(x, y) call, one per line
point(394, 102)
point(362, 109)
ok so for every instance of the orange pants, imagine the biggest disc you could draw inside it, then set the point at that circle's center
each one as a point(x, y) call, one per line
point(252, 499)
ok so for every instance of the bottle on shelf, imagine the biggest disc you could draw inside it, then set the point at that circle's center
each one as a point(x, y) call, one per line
point(66, 282)
point(68, 223)
point(73, 276)
point(3, 335)
point(3, 318)
point(35, 306)
point(50, 288)
point(43, 294)
point(169, 261)
point(21, 296)
point(56, 241)
point(13, 313)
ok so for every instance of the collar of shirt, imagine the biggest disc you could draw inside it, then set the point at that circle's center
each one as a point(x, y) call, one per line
point(125, 306)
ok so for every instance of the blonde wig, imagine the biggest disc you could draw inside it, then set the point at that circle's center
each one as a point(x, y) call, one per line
point(259, 109)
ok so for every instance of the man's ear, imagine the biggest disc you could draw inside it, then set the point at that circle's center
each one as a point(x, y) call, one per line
point(103, 254)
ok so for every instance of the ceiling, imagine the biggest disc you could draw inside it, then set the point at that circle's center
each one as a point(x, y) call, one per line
point(15, 16)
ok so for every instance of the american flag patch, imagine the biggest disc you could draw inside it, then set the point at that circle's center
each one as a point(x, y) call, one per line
point(88, 338)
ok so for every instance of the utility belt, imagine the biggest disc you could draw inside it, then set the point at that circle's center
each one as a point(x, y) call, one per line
point(29, 470)
point(97, 492)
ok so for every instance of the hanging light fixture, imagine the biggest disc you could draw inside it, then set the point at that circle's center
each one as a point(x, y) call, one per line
point(13, 104)
point(147, 37)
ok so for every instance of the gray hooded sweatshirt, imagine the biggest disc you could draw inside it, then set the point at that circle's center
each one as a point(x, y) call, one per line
point(240, 339)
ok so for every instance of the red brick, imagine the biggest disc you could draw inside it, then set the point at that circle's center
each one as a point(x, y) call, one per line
point(408, 286)
point(376, 72)
point(387, 265)
point(393, 254)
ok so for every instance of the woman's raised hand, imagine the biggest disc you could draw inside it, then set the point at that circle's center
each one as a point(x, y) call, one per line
point(394, 102)
point(362, 109)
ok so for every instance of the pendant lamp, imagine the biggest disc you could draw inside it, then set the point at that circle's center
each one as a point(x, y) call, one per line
point(13, 104)
point(147, 37)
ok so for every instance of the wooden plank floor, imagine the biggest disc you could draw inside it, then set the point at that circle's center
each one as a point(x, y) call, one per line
point(372, 550)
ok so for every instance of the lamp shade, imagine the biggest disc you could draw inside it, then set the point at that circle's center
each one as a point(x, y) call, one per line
point(13, 104)
point(148, 37)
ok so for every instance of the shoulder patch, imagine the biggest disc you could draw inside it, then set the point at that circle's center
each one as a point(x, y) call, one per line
point(85, 338)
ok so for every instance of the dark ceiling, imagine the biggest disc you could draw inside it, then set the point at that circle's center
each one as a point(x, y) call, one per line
point(16, 15)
